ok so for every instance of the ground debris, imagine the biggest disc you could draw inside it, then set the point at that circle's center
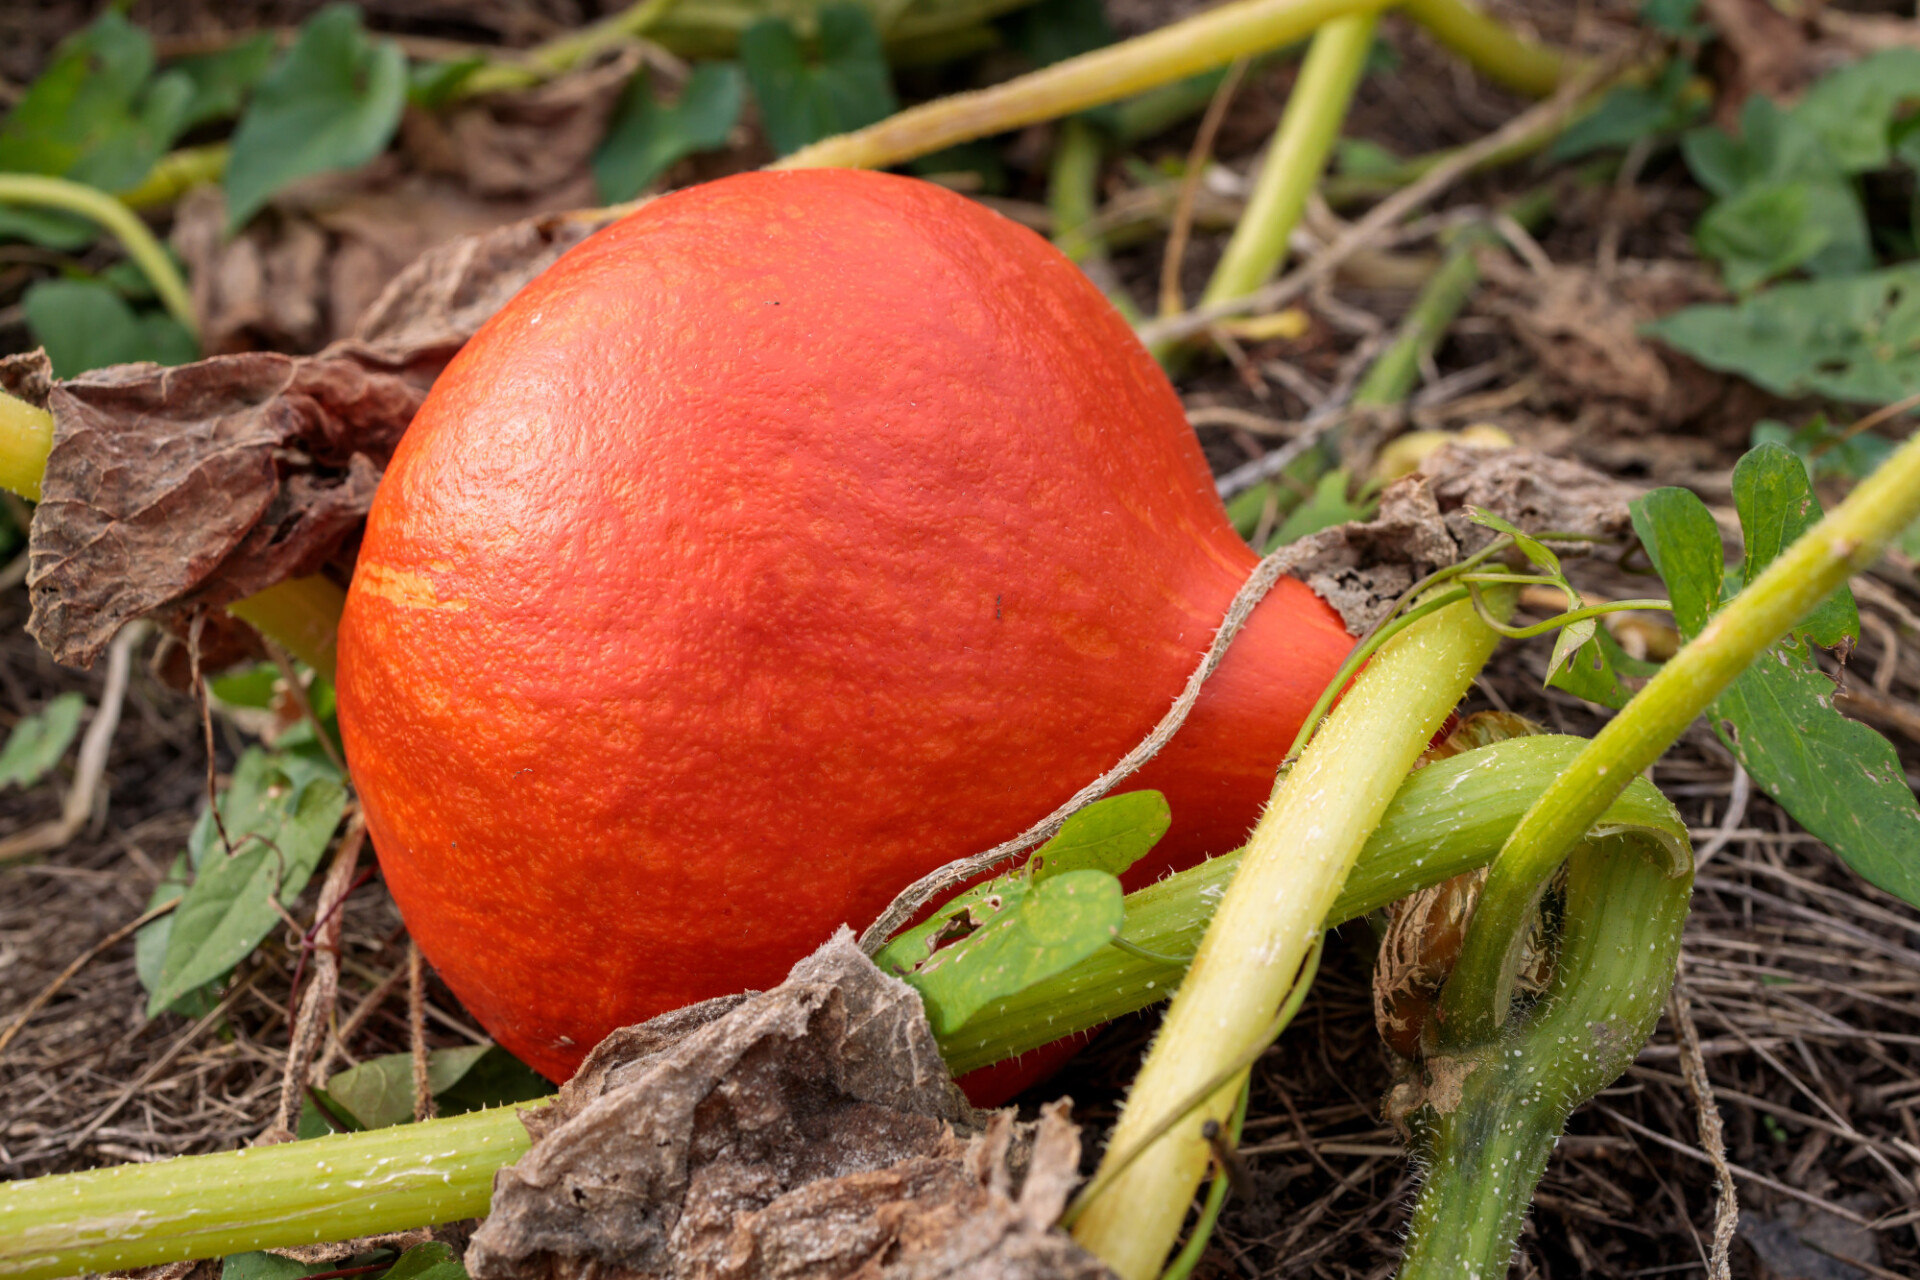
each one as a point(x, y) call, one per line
point(811, 1130)
point(174, 488)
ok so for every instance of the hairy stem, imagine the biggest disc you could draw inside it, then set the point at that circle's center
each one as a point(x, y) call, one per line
point(1290, 876)
point(1297, 156)
point(1494, 49)
point(1849, 539)
point(1449, 817)
point(1209, 39)
point(89, 202)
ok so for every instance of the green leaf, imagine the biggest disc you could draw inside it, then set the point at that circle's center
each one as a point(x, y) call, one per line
point(332, 102)
point(1764, 231)
point(1683, 542)
point(1631, 113)
point(645, 136)
point(1839, 779)
point(1592, 671)
point(270, 1266)
point(279, 831)
point(86, 325)
point(1777, 505)
point(91, 114)
point(1362, 158)
point(379, 1092)
point(1854, 338)
point(1826, 452)
point(38, 741)
point(1851, 110)
point(848, 87)
point(1108, 835)
point(1328, 506)
point(1037, 933)
point(150, 943)
point(429, 1261)
point(1675, 18)
point(249, 687)
point(222, 80)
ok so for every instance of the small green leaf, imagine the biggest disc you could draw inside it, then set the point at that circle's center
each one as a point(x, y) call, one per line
point(1764, 231)
point(1328, 506)
point(150, 944)
point(429, 1261)
point(848, 87)
point(38, 741)
point(332, 102)
point(1776, 506)
point(1631, 113)
point(1684, 544)
point(1593, 671)
point(221, 80)
point(645, 137)
point(86, 325)
point(379, 1092)
point(279, 831)
point(1362, 158)
point(1108, 835)
point(498, 1079)
point(1055, 30)
point(1038, 933)
point(1574, 635)
point(249, 687)
point(1839, 779)
point(1532, 548)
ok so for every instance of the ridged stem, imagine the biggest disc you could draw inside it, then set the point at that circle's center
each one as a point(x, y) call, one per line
point(1845, 542)
point(120, 221)
point(1289, 878)
point(1297, 156)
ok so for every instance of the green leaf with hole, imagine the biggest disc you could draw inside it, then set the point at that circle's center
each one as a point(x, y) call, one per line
point(1033, 932)
point(86, 325)
point(37, 742)
point(278, 831)
point(802, 100)
point(332, 102)
point(1108, 835)
point(646, 136)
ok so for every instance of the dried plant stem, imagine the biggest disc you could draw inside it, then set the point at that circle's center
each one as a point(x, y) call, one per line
point(87, 957)
point(1289, 877)
point(120, 221)
point(1297, 156)
point(317, 1002)
point(91, 765)
point(1207, 40)
point(1172, 301)
point(1726, 1208)
point(417, 1030)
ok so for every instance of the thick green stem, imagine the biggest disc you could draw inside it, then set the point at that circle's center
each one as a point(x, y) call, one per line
point(1297, 156)
point(1496, 1110)
point(26, 438)
point(1289, 878)
point(1447, 818)
point(1207, 40)
point(1495, 51)
point(567, 52)
point(301, 615)
point(88, 202)
point(1849, 539)
point(176, 173)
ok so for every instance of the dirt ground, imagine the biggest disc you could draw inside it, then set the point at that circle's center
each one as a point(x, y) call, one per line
point(1804, 983)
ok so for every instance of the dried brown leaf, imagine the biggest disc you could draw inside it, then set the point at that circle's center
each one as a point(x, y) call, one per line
point(174, 488)
point(811, 1130)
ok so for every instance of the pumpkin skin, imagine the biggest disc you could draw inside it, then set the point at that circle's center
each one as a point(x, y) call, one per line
point(793, 536)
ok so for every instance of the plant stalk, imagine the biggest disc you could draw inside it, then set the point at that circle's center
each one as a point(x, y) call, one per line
point(1209, 39)
point(125, 226)
point(1449, 817)
point(26, 438)
point(1297, 156)
point(1844, 543)
point(1289, 878)
point(1495, 50)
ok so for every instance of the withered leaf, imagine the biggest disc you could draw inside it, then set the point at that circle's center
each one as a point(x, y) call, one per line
point(811, 1130)
point(197, 485)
